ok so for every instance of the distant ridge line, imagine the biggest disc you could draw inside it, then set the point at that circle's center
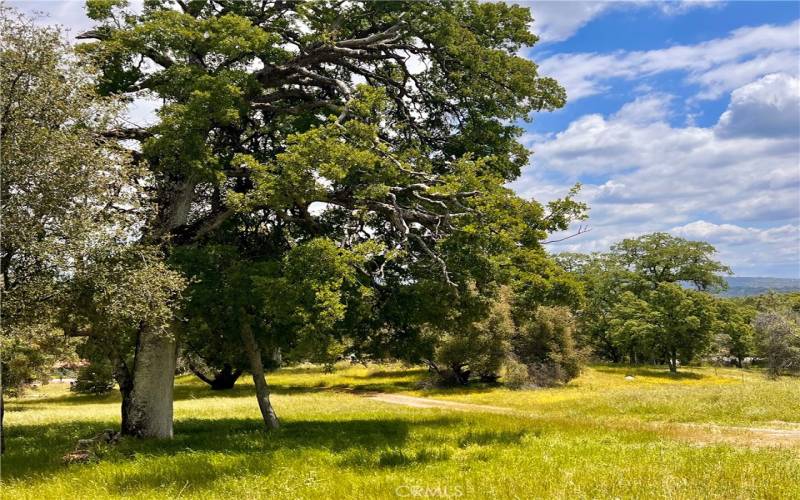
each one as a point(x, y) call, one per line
point(741, 286)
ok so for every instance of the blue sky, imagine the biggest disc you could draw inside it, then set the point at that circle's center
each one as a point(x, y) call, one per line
point(682, 117)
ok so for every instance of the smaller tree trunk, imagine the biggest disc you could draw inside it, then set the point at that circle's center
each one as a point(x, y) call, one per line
point(200, 375)
point(257, 370)
point(2, 425)
point(126, 391)
point(277, 357)
point(124, 380)
point(432, 367)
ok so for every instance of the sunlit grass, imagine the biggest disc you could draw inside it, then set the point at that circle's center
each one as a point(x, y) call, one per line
point(696, 395)
point(335, 443)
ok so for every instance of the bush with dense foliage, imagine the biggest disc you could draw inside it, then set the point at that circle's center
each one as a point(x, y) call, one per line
point(532, 347)
point(475, 347)
point(545, 343)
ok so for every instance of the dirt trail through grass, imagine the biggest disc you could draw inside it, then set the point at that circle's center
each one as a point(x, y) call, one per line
point(416, 402)
point(700, 434)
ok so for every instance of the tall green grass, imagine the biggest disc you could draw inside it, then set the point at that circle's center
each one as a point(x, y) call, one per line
point(694, 395)
point(339, 444)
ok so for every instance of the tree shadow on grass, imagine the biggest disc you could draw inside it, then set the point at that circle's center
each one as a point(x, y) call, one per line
point(623, 370)
point(69, 399)
point(397, 373)
point(37, 450)
point(187, 389)
point(192, 457)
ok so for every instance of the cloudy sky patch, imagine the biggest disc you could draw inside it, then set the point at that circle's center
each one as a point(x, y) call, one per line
point(694, 130)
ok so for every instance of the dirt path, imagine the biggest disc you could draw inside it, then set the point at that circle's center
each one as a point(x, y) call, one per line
point(416, 402)
point(700, 434)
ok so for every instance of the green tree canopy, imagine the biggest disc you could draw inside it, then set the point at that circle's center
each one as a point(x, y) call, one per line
point(632, 293)
point(70, 196)
point(662, 258)
point(385, 130)
point(669, 322)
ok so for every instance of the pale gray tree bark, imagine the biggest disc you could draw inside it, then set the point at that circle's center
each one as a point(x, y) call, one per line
point(147, 409)
point(147, 399)
point(257, 370)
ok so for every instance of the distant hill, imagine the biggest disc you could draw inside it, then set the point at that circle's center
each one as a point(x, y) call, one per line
point(743, 287)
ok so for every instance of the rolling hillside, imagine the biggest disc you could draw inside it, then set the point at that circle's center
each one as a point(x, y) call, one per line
point(742, 287)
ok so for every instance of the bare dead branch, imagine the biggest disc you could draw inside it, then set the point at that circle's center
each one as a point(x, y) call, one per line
point(581, 230)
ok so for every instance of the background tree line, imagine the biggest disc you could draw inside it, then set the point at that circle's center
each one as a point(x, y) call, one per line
point(648, 300)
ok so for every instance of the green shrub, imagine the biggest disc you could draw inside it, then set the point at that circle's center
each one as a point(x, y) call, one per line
point(515, 374)
point(478, 348)
point(545, 343)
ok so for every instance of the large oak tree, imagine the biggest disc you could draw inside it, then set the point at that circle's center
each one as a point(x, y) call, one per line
point(379, 134)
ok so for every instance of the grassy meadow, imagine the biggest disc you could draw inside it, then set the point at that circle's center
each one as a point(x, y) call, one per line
point(601, 436)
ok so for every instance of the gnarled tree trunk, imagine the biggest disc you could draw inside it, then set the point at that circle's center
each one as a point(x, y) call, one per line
point(222, 380)
point(257, 370)
point(147, 401)
point(2, 425)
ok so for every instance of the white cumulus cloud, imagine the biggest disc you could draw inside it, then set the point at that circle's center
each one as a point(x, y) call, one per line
point(768, 107)
point(736, 184)
point(751, 249)
point(558, 20)
point(717, 66)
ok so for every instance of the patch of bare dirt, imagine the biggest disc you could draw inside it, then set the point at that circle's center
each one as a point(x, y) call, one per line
point(416, 402)
point(746, 436)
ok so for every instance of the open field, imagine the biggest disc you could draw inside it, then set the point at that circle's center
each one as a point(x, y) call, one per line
point(602, 436)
